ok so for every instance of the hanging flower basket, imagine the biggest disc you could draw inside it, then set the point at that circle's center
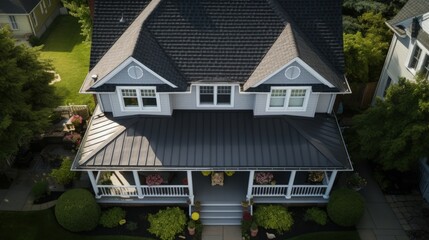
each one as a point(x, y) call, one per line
point(316, 177)
point(229, 173)
point(154, 179)
point(206, 173)
point(263, 178)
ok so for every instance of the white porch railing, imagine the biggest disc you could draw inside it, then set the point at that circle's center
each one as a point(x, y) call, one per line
point(147, 191)
point(165, 191)
point(281, 190)
point(269, 190)
point(117, 191)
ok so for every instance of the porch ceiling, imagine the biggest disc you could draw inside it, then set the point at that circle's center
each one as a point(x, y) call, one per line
point(233, 140)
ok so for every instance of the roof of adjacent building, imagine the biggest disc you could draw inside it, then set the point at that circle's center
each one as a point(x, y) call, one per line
point(413, 8)
point(213, 140)
point(17, 6)
point(218, 41)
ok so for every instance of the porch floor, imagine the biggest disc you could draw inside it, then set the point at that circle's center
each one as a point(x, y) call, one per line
point(233, 191)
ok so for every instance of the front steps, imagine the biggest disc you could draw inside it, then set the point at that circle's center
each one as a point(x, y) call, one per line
point(221, 214)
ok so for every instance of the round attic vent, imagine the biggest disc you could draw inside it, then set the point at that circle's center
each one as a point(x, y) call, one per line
point(135, 72)
point(292, 72)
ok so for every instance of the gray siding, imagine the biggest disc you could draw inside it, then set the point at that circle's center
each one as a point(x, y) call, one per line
point(304, 78)
point(164, 102)
point(123, 78)
point(261, 103)
point(323, 103)
point(105, 101)
point(189, 101)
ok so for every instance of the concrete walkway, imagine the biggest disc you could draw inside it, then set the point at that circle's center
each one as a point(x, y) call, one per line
point(379, 221)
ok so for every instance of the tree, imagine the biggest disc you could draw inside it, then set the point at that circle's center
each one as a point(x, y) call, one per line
point(395, 132)
point(26, 97)
point(80, 10)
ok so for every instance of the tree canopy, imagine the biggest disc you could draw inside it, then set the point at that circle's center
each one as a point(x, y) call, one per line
point(26, 97)
point(395, 132)
point(80, 10)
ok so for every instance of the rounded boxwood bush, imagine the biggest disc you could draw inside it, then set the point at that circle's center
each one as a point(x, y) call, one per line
point(274, 217)
point(111, 217)
point(76, 210)
point(345, 207)
point(167, 223)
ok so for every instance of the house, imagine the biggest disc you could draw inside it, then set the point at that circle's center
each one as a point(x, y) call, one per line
point(408, 54)
point(239, 90)
point(28, 17)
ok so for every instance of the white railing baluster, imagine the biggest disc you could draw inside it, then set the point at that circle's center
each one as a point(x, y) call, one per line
point(281, 190)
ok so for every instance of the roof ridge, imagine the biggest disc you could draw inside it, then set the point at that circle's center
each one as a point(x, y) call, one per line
point(313, 141)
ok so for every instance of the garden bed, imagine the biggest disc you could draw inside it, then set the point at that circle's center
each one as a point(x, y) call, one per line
point(54, 195)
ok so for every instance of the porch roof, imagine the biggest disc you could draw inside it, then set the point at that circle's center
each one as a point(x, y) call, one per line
point(218, 140)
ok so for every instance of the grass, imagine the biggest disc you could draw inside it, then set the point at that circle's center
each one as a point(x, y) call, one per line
point(42, 225)
point(348, 235)
point(64, 45)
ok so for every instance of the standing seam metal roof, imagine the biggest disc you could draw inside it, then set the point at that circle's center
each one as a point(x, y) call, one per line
point(215, 140)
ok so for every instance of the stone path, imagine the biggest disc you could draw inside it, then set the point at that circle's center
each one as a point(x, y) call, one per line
point(221, 233)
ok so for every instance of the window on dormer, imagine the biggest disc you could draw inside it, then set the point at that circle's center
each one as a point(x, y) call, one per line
point(425, 68)
point(139, 98)
point(414, 61)
point(217, 95)
point(288, 99)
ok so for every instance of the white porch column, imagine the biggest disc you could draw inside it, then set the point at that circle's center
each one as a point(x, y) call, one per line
point(93, 184)
point(250, 185)
point(290, 184)
point(138, 185)
point(190, 186)
point(330, 184)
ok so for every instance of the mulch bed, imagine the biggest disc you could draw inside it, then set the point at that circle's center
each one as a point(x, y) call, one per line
point(54, 195)
point(139, 215)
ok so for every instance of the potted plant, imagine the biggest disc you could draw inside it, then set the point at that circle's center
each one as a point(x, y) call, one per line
point(356, 182)
point(206, 173)
point(229, 173)
point(316, 176)
point(263, 178)
point(154, 179)
point(253, 229)
point(191, 227)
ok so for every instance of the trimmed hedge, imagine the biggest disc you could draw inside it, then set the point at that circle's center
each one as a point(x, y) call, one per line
point(345, 207)
point(77, 211)
point(274, 217)
point(111, 217)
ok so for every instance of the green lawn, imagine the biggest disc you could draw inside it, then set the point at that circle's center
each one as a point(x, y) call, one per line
point(70, 56)
point(42, 225)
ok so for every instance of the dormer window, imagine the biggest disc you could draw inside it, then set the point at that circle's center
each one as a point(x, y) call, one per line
point(138, 99)
point(425, 68)
point(414, 61)
point(215, 95)
point(288, 99)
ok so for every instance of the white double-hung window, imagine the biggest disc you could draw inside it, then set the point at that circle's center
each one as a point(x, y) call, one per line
point(138, 99)
point(288, 98)
point(215, 96)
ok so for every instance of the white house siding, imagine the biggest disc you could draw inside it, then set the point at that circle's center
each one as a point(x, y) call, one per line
point(261, 104)
point(164, 102)
point(425, 22)
point(123, 78)
point(189, 101)
point(324, 103)
point(24, 28)
point(304, 78)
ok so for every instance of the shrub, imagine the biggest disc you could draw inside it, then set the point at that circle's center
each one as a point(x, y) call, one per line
point(40, 189)
point(167, 223)
point(131, 226)
point(316, 215)
point(345, 207)
point(76, 210)
point(63, 175)
point(274, 217)
point(111, 217)
point(34, 41)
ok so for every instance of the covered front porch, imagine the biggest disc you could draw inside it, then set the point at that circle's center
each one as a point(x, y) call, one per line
point(235, 187)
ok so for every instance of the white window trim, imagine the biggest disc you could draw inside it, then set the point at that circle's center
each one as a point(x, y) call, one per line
point(49, 3)
point(215, 96)
point(419, 65)
point(285, 107)
point(140, 108)
point(12, 23)
point(43, 7)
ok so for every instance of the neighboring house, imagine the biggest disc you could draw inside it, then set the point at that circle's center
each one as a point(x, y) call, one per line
point(408, 54)
point(186, 87)
point(28, 17)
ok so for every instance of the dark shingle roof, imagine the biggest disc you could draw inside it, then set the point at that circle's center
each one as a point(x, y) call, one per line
point(226, 40)
point(213, 139)
point(17, 6)
point(412, 8)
